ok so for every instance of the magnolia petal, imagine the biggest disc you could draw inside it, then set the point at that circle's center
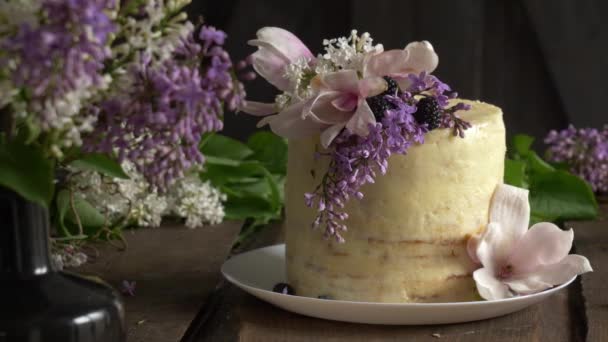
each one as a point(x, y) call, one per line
point(421, 57)
point(387, 63)
point(270, 64)
point(543, 244)
point(550, 275)
point(346, 102)
point(259, 108)
point(472, 245)
point(527, 286)
point(290, 124)
point(372, 86)
point(285, 42)
point(488, 286)
point(491, 251)
point(360, 121)
point(510, 207)
point(330, 133)
point(343, 81)
point(321, 110)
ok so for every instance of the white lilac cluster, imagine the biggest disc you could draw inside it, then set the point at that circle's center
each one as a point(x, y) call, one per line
point(156, 33)
point(350, 52)
point(198, 202)
point(132, 201)
point(340, 54)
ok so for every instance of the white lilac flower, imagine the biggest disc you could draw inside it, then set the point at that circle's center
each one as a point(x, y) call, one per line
point(350, 53)
point(155, 32)
point(196, 201)
point(147, 211)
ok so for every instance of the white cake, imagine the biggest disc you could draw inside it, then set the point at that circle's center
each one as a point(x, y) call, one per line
point(406, 239)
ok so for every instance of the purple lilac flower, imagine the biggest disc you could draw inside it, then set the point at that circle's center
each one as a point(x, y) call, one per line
point(63, 54)
point(585, 151)
point(159, 124)
point(356, 160)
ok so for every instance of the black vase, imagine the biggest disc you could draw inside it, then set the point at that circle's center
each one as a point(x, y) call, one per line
point(39, 304)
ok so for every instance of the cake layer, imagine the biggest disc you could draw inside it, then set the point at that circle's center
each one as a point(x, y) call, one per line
point(406, 238)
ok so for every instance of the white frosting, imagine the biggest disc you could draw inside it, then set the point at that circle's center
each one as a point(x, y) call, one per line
point(406, 238)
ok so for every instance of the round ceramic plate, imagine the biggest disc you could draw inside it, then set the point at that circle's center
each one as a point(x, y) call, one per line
point(259, 270)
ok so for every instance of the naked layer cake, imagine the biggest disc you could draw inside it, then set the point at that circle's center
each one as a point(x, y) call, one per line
point(406, 239)
point(394, 185)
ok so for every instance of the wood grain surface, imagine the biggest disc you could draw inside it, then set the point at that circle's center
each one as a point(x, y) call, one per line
point(174, 268)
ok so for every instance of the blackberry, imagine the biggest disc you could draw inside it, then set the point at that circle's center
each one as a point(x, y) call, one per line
point(393, 87)
point(428, 112)
point(283, 288)
point(378, 104)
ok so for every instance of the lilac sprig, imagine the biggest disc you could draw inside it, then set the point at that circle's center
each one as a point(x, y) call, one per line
point(159, 123)
point(356, 161)
point(452, 120)
point(58, 63)
point(585, 151)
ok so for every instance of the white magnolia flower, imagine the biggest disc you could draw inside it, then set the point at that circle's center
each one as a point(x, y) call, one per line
point(516, 260)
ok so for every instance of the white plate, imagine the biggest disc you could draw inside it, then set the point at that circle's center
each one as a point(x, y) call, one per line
point(259, 270)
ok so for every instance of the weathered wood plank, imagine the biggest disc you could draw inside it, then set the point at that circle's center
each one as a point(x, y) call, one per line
point(175, 269)
point(591, 240)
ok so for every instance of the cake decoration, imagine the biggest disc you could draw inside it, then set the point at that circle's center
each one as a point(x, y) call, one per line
point(516, 260)
point(365, 104)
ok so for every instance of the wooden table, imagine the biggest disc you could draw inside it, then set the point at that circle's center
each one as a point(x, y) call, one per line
point(170, 287)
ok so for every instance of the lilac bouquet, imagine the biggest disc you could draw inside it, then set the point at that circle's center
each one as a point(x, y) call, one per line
point(365, 103)
point(584, 151)
point(90, 89)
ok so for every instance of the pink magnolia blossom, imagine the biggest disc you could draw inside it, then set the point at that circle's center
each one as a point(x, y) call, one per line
point(337, 98)
point(516, 260)
point(277, 48)
point(398, 64)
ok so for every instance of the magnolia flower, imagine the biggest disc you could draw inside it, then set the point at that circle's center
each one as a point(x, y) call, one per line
point(337, 98)
point(277, 48)
point(398, 64)
point(516, 260)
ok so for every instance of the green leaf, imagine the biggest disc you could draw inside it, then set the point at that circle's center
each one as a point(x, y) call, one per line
point(221, 161)
point(271, 150)
point(220, 174)
point(100, 163)
point(522, 144)
point(515, 173)
point(218, 145)
point(246, 207)
point(26, 170)
point(560, 196)
point(537, 165)
point(90, 218)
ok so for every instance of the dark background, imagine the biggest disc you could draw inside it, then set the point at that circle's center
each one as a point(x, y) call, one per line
point(543, 62)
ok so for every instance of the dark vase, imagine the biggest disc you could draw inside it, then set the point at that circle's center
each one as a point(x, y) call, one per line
point(39, 304)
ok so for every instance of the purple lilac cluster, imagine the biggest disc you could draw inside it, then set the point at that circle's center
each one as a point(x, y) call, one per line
point(63, 54)
point(356, 160)
point(585, 151)
point(159, 124)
